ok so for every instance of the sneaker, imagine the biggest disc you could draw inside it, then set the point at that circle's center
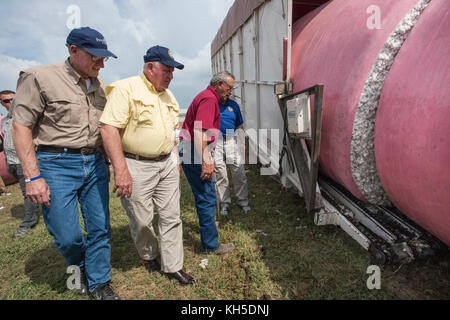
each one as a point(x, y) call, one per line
point(103, 292)
point(1, 208)
point(245, 208)
point(224, 248)
point(22, 231)
point(5, 194)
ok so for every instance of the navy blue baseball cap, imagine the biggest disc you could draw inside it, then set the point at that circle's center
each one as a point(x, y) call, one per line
point(163, 55)
point(91, 40)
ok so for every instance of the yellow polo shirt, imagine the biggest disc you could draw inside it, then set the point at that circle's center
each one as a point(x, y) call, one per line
point(147, 119)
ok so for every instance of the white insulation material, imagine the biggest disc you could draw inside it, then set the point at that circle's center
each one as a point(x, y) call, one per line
point(362, 152)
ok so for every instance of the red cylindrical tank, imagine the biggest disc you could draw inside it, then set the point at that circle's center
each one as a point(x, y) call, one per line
point(335, 45)
point(412, 133)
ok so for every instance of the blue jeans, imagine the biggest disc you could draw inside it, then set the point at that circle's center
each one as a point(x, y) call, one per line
point(79, 179)
point(205, 202)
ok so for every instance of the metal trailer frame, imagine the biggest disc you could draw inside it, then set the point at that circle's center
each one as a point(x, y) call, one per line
point(307, 166)
point(258, 54)
point(254, 54)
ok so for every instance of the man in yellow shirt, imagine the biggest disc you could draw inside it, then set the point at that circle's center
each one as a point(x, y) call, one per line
point(138, 130)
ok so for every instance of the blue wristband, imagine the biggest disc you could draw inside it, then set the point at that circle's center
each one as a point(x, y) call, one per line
point(32, 179)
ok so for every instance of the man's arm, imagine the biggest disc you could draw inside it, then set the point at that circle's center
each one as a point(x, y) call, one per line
point(38, 190)
point(208, 167)
point(123, 183)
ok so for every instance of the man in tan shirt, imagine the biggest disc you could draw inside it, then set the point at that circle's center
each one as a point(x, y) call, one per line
point(138, 129)
point(56, 115)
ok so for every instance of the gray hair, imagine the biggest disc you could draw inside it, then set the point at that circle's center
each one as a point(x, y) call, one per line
point(220, 77)
point(154, 62)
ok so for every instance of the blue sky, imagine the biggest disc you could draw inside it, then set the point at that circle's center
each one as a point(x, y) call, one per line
point(33, 32)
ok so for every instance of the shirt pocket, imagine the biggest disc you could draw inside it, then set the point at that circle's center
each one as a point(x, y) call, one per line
point(99, 104)
point(174, 115)
point(144, 112)
point(100, 100)
point(63, 111)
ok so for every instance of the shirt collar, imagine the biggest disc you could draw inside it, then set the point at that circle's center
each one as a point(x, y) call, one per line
point(77, 78)
point(211, 88)
point(225, 104)
point(150, 86)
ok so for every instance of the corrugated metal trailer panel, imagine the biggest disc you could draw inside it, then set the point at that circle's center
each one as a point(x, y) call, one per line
point(250, 45)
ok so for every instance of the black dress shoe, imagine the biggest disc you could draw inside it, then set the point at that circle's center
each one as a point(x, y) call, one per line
point(183, 278)
point(152, 265)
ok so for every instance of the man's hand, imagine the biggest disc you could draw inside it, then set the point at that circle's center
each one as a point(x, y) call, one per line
point(207, 171)
point(123, 184)
point(208, 167)
point(38, 191)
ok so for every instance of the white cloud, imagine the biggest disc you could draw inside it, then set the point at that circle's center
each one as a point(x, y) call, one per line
point(10, 68)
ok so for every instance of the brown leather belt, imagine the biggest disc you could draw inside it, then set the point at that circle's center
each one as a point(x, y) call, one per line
point(138, 157)
point(54, 149)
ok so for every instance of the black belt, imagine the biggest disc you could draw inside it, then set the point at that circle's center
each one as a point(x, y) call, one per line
point(66, 150)
point(138, 157)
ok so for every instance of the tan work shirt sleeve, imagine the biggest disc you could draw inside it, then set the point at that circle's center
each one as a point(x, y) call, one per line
point(28, 103)
point(117, 111)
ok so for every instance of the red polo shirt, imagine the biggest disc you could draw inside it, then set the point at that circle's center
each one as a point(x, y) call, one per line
point(203, 113)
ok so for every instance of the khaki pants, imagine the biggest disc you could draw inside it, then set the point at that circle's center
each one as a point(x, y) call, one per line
point(158, 182)
point(227, 155)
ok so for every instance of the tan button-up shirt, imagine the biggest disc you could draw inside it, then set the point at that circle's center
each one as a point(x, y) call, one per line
point(54, 102)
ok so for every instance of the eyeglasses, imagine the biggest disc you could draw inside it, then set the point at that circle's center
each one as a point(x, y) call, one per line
point(230, 88)
point(94, 57)
point(7, 100)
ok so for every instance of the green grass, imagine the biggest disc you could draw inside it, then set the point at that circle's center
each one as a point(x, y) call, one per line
point(280, 254)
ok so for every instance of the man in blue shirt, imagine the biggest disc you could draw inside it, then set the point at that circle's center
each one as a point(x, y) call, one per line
point(228, 153)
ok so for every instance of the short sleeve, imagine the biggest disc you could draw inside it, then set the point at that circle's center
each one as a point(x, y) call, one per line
point(28, 103)
point(204, 118)
point(239, 119)
point(117, 109)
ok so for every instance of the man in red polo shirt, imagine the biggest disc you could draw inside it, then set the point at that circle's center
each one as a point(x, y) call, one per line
point(199, 133)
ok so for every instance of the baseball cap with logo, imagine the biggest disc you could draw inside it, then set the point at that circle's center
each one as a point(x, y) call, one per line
point(91, 40)
point(163, 55)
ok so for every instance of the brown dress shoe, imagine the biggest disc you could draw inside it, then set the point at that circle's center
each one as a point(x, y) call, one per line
point(183, 278)
point(152, 265)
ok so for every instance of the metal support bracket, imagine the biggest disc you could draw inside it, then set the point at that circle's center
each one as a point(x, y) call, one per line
point(332, 216)
point(307, 164)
